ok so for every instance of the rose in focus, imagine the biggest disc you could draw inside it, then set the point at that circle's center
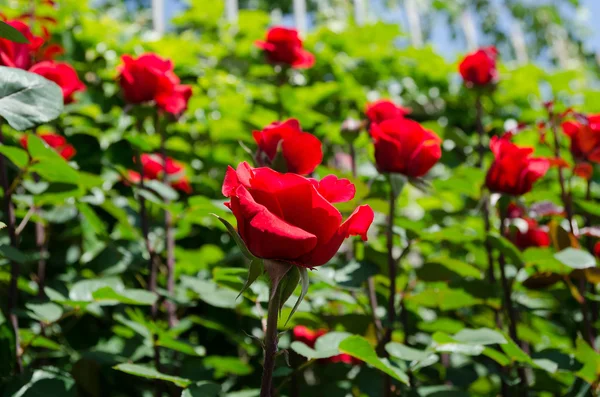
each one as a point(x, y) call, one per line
point(290, 218)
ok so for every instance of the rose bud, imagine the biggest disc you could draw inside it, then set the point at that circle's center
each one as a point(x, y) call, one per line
point(403, 146)
point(283, 46)
point(62, 74)
point(299, 152)
point(290, 218)
point(479, 67)
point(513, 171)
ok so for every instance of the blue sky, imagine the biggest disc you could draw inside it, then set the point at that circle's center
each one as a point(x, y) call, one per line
point(440, 35)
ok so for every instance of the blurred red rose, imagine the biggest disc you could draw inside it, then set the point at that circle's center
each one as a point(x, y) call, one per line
point(153, 167)
point(585, 139)
point(513, 171)
point(284, 46)
point(62, 74)
point(384, 109)
point(479, 68)
point(301, 151)
point(17, 55)
point(309, 338)
point(403, 146)
point(290, 218)
point(535, 236)
point(597, 249)
point(151, 78)
point(57, 142)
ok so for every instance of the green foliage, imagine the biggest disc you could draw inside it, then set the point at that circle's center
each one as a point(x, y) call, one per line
point(91, 330)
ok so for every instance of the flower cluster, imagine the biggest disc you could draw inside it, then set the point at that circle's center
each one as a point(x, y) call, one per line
point(153, 166)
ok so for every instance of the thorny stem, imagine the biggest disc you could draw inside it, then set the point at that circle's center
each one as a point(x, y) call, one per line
point(508, 304)
point(588, 333)
point(270, 344)
point(169, 233)
point(13, 292)
point(152, 261)
point(371, 294)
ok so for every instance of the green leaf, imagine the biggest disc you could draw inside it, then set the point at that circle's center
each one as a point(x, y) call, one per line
point(255, 269)
point(129, 296)
point(28, 99)
point(165, 340)
point(326, 346)
point(236, 237)
point(515, 353)
point(445, 343)
point(506, 247)
point(11, 34)
point(17, 156)
point(224, 366)
point(304, 282)
point(202, 389)
point(288, 285)
point(82, 291)
point(210, 292)
point(403, 352)
point(13, 254)
point(151, 373)
point(50, 165)
point(590, 360)
point(45, 312)
point(481, 336)
point(359, 347)
point(589, 207)
point(576, 258)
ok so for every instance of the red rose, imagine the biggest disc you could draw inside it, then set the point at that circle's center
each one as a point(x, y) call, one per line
point(57, 142)
point(535, 236)
point(17, 55)
point(585, 139)
point(385, 109)
point(403, 146)
point(290, 218)
point(306, 335)
point(301, 151)
point(597, 249)
point(513, 171)
point(62, 74)
point(284, 46)
point(479, 67)
point(151, 78)
point(153, 166)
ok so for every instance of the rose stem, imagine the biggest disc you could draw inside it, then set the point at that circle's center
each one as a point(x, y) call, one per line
point(391, 311)
point(508, 305)
point(42, 246)
point(270, 344)
point(13, 292)
point(371, 294)
point(281, 77)
point(169, 233)
point(485, 208)
point(485, 201)
point(152, 262)
point(566, 199)
point(588, 223)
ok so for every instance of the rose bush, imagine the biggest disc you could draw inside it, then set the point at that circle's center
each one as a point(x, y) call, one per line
point(478, 276)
